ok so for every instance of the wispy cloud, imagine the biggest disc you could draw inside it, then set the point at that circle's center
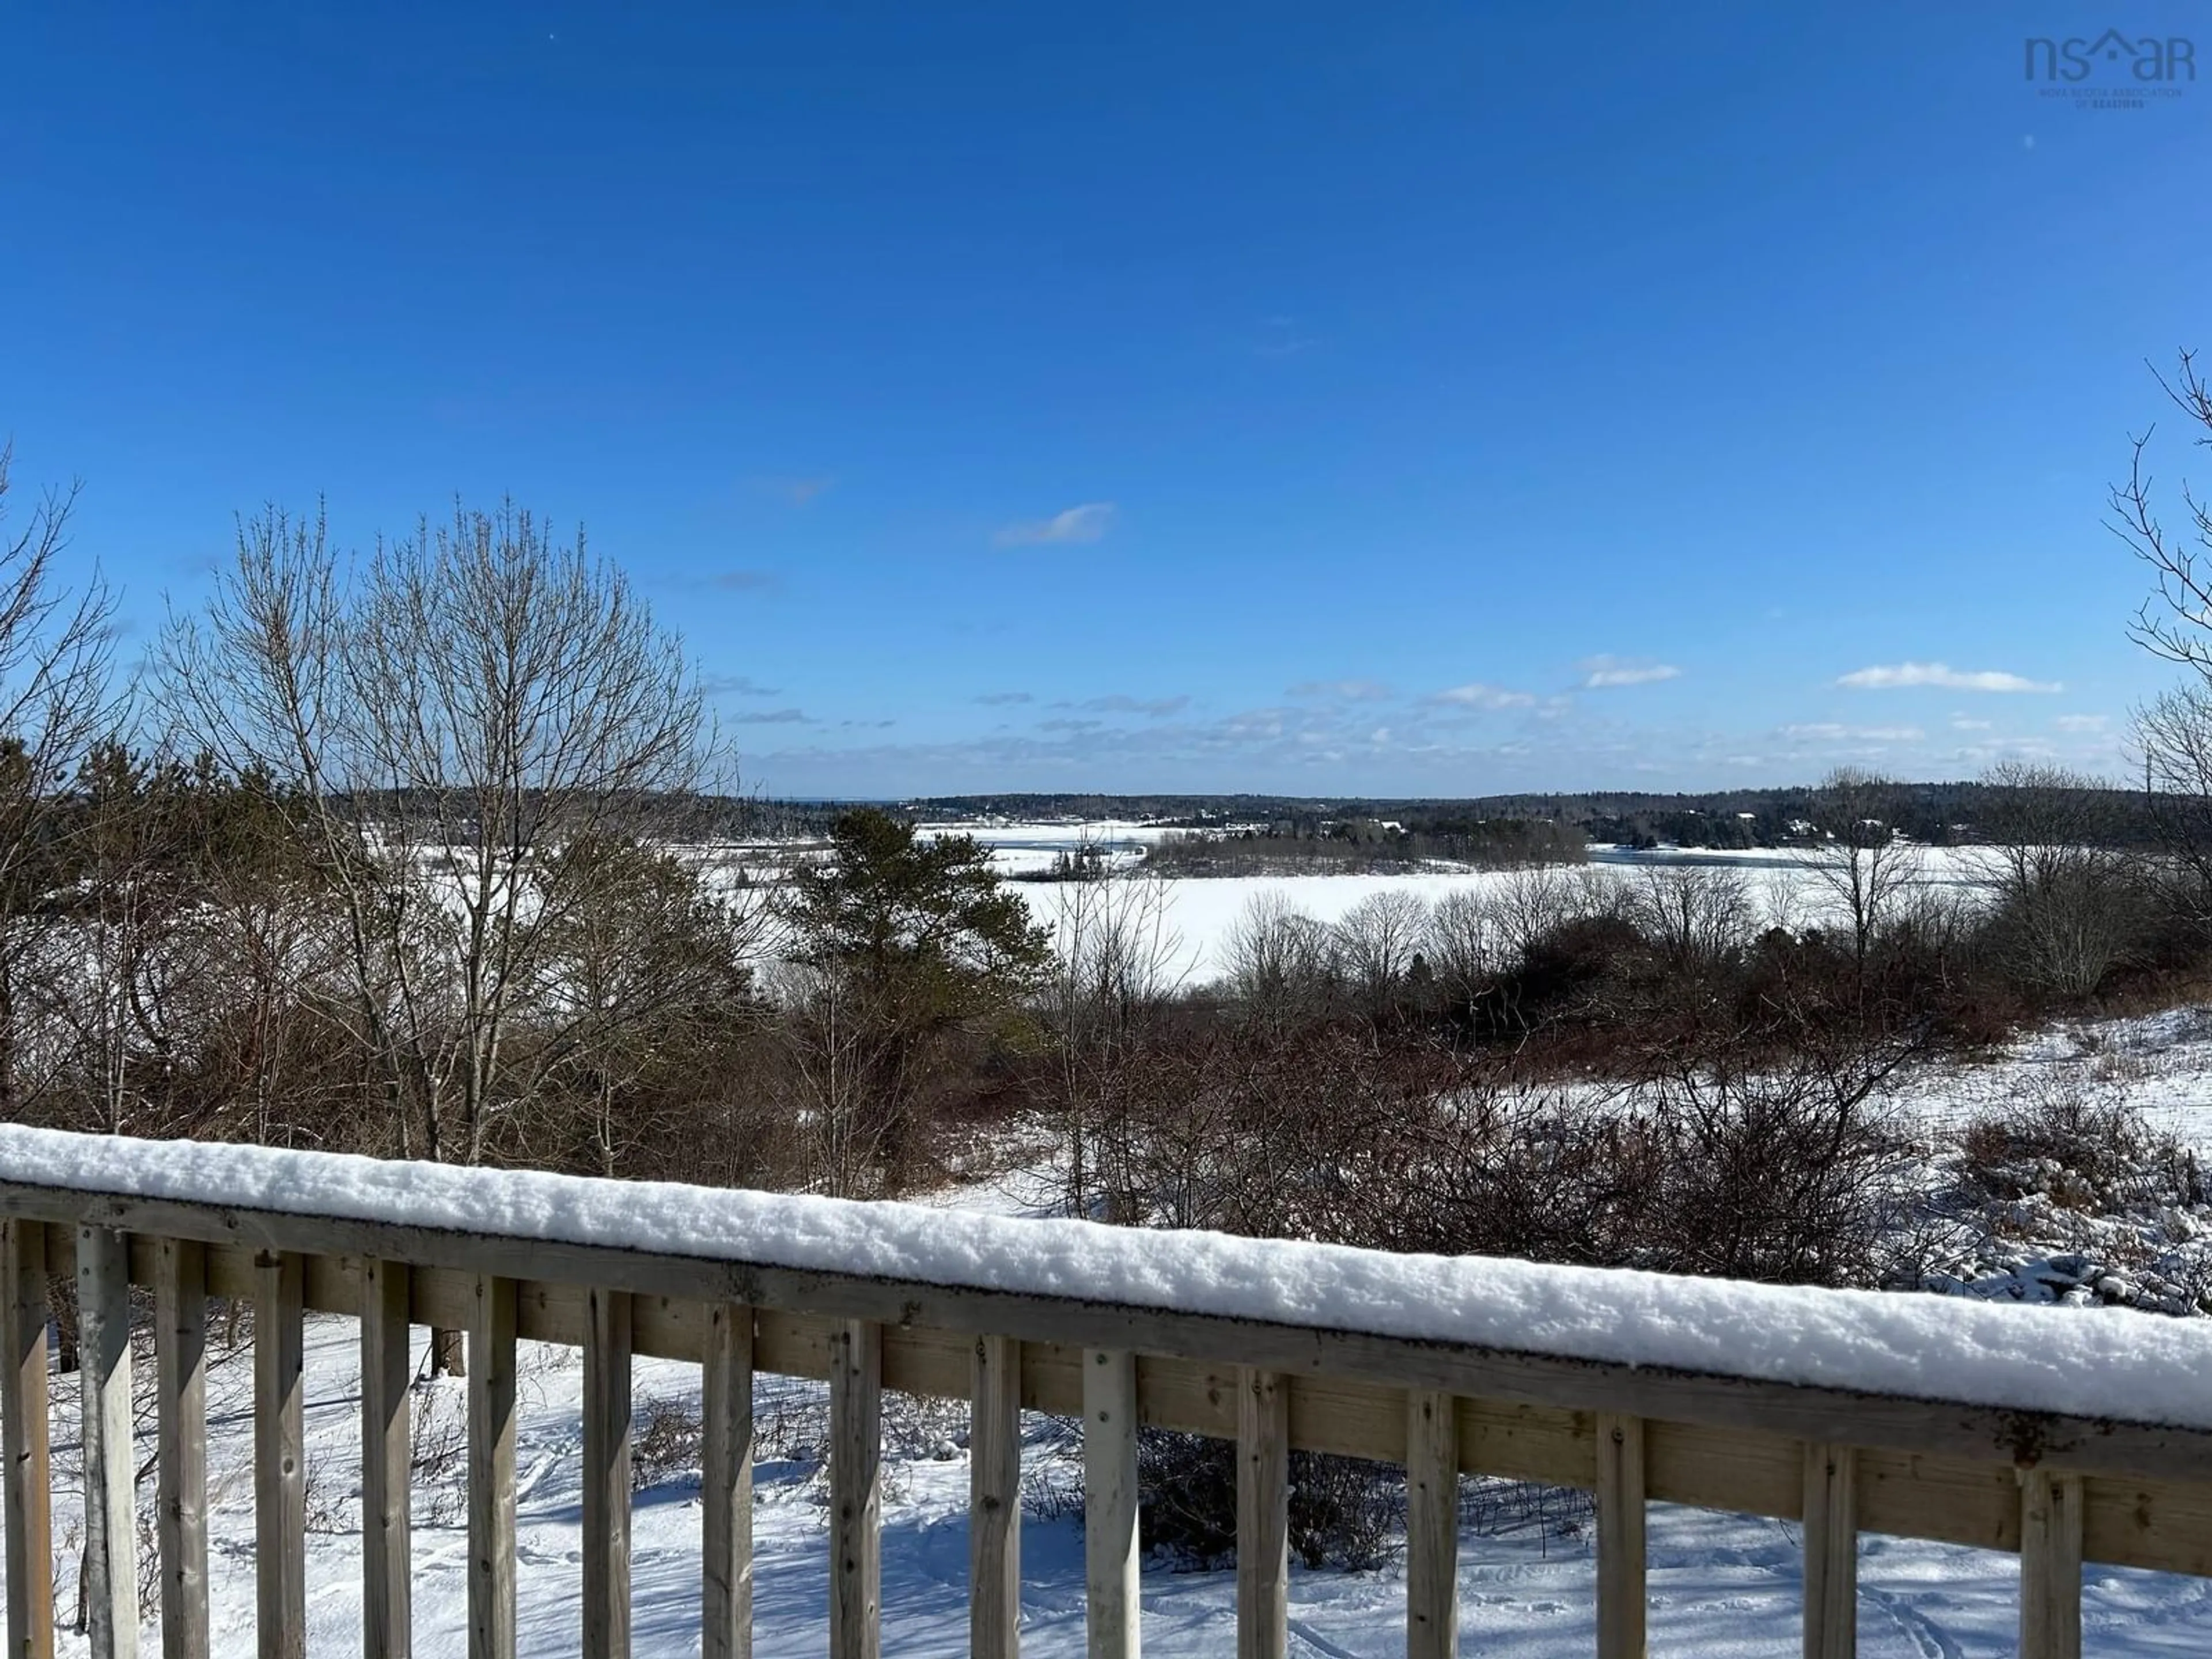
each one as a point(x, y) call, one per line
point(1898, 677)
point(1087, 522)
point(2082, 722)
point(1475, 695)
point(1349, 690)
point(737, 685)
point(774, 717)
point(1961, 723)
point(746, 581)
point(1280, 337)
point(796, 490)
point(1120, 703)
point(1601, 673)
point(1831, 732)
point(1004, 699)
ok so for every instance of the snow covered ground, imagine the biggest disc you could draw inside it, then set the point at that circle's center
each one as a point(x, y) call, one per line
point(2160, 1063)
point(1202, 911)
point(1720, 1585)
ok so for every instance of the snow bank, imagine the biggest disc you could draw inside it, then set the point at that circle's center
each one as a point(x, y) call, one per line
point(2086, 1361)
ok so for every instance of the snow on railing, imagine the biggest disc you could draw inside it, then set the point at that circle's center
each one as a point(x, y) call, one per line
point(2061, 1433)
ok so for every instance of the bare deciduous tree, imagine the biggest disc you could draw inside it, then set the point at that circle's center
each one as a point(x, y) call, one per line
point(837, 1048)
point(2176, 622)
point(2175, 733)
point(1464, 945)
point(1866, 867)
point(450, 718)
point(54, 699)
point(473, 703)
point(1376, 943)
point(1279, 961)
point(1117, 960)
point(1695, 915)
point(2065, 895)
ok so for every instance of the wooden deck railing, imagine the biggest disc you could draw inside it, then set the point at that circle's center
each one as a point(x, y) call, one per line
point(2054, 1489)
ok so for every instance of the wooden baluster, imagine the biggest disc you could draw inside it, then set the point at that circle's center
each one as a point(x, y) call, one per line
point(491, 1469)
point(1832, 1552)
point(111, 1520)
point(1620, 1598)
point(2050, 1565)
point(856, 1370)
point(994, 1500)
point(606, 1474)
point(1110, 1502)
point(387, 1456)
point(1263, 1515)
point(280, 1462)
point(29, 1475)
point(726, 1615)
point(1432, 1526)
point(180, 1377)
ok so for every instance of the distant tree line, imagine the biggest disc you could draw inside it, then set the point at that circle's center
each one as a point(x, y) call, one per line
point(1959, 813)
point(1308, 844)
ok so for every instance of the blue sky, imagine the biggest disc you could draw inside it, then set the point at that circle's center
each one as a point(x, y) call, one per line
point(1390, 400)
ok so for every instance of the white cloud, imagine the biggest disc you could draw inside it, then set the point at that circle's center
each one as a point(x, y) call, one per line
point(1475, 695)
point(1087, 522)
point(1350, 691)
point(2082, 722)
point(1122, 703)
point(1602, 672)
point(1961, 723)
point(1831, 732)
point(1899, 676)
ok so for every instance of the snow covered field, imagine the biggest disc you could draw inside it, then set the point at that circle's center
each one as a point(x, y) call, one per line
point(2160, 1063)
point(1782, 883)
point(1720, 1585)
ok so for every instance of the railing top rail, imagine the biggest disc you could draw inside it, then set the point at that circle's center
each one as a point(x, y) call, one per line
point(2084, 1388)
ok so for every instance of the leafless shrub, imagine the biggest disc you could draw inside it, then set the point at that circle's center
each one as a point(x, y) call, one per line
point(438, 1447)
point(2068, 902)
point(2080, 1144)
point(667, 1441)
point(150, 1566)
point(915, 1427)
point(326, 1502)
point(1493, 1507)
point(1345, 1512)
